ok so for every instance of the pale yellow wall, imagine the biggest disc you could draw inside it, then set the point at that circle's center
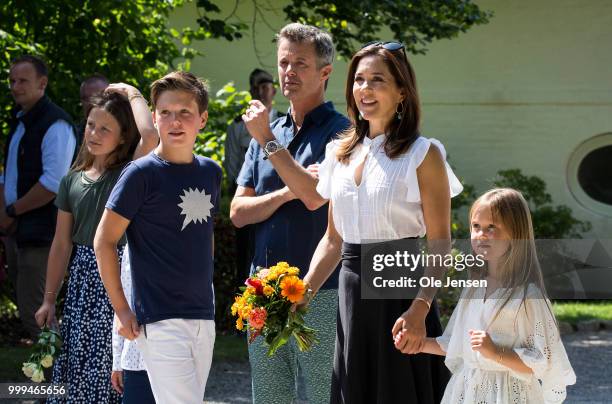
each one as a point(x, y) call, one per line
point(520, 92)
point(523, 92)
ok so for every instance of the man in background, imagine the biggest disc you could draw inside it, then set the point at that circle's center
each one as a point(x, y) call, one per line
point(39, 149)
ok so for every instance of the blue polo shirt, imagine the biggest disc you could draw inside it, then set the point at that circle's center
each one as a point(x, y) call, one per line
point(293, 232)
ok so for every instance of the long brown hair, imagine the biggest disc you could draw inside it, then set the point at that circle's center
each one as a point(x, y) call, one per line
point(119, 107)
point(401, 133)
point(519, 265)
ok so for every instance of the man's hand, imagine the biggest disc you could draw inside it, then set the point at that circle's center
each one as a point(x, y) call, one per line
point(257, 121)
point(127, 326)
point(6, 222)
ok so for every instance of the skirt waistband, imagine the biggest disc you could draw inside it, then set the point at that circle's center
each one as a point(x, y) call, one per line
point(351, 253)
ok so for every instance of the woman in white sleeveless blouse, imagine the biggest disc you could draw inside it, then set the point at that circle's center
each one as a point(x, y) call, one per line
point(384, 182)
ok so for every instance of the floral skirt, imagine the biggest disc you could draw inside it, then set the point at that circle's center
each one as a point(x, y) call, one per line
point(85, 361)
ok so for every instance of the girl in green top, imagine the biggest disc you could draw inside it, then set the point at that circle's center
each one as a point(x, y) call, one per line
point(119, 128)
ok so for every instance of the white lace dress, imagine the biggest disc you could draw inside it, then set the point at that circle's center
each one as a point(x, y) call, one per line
point(529, 329)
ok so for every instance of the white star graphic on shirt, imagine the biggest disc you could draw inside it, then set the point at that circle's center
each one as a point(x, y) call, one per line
point(196, 206)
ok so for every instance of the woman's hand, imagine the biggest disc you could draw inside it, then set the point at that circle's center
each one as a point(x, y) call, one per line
point(409, 330)
point(123, 89)
point(45, 315)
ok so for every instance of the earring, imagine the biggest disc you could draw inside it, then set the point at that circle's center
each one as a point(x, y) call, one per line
point(399, 113)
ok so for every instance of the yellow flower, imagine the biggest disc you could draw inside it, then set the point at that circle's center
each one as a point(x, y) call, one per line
point(283, 265)
point(249, 291)
point(273, 274)
point(294, 271)
point(268, 290)
point(239, 302)
point(245, 311)
point(239, 324)
point(292, 288)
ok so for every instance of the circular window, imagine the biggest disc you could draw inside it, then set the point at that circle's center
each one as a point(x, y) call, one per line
point(590, 174)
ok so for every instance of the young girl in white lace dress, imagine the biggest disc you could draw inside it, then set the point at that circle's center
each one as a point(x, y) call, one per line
point(502, 342)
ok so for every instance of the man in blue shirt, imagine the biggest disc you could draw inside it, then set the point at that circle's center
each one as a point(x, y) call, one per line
point(39, 149)
point(164, 202)
point(290, 223)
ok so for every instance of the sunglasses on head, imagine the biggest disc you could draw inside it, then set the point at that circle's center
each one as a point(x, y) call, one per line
point(389, 45)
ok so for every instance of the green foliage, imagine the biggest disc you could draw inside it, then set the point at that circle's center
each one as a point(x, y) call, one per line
point(225, 278)
point(216, 27)
point(125, 40)
point(549, 222)
point(415, 23)
point(460, 204)
point(222, 110)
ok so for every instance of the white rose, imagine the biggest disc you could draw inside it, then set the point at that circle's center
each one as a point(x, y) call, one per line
point(28, 368)
point(38, 376)
point(47, 361)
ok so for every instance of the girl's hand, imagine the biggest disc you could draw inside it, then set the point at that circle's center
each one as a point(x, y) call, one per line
point(45, 316)
point(123, 89)
point(482, 342)
point(117, 381)
point(409, 331)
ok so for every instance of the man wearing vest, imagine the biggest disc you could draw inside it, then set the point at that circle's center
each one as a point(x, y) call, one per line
point(37, 154)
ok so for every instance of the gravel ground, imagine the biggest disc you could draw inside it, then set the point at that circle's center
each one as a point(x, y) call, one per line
point(590, 355)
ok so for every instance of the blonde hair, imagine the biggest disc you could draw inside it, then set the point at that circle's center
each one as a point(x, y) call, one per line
point(519, 266)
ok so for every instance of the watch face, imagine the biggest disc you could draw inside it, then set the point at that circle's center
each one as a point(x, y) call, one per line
point(272, 147)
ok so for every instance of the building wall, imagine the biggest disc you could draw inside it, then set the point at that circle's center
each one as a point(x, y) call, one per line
point(523, 91)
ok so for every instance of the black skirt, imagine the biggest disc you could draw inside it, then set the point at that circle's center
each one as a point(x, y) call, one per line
point(368, 368)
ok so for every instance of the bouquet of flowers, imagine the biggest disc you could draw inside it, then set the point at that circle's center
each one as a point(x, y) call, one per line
point(265, 306)
point(43, 353)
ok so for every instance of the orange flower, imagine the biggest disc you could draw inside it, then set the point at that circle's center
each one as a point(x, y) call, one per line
point(257, 319)
point(292, 288)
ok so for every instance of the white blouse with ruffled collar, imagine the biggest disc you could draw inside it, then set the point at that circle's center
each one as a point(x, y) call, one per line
point(387, 203)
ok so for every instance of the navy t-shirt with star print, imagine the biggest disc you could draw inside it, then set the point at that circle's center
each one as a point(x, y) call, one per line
point(170, 236)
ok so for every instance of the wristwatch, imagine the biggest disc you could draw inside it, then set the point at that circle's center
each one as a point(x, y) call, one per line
point(10, 211)
point(272, 147)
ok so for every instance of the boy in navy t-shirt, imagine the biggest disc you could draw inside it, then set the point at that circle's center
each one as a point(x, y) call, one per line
point(164, 202)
